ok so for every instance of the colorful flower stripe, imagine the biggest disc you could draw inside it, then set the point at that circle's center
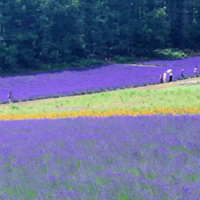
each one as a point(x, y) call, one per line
point(102, 113)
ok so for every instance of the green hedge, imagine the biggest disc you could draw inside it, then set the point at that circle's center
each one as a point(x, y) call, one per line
point(124, 60)
point(78, 64)
point(170, 54)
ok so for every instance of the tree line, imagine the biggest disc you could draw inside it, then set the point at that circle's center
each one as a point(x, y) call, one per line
point(35, 33)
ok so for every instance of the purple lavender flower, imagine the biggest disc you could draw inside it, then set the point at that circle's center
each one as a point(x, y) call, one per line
point(153, 157)
point(68, 82)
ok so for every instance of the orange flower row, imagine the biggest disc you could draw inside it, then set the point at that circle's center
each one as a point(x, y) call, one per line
point(102, 113)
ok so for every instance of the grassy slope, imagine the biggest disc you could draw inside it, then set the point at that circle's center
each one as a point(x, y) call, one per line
point(176, 97)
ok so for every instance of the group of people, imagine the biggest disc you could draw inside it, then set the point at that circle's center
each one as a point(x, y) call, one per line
point(163, 76)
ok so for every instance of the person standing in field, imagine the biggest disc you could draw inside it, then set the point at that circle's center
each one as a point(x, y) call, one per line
point(161, 78)
point(182, 74)
point(10, 97)
point(196, 72)
point(170, 76)
point(164, 77)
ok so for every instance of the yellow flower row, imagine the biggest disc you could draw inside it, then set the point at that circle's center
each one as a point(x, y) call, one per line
point(102, 113)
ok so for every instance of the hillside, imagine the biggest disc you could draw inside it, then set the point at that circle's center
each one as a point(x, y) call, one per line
point(99, 100)
point(168, 95)
point(168, 86)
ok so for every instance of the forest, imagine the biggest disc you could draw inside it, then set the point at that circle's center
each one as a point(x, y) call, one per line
point(44, 34)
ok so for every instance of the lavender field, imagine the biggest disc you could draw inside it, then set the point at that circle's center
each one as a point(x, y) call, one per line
point(180, 62)
point(93, 80)
point(119, 158)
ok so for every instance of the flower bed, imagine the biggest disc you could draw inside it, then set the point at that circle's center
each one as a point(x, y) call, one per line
point(148, 157)
point(69, 82)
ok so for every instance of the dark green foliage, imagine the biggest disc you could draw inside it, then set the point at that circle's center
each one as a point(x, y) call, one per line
point(120, 59)
point(40, 97)
point(81, 93)
point(14, 107)
point(48, 97)
point(40, 35)
point(31, 99)
point(89, 62)
point(56, 96)
point(22, 100)
point(15, 100)
point(76, 93)
point(169, 53)
point(31, 194)
point(4, 102)
point(89, 92)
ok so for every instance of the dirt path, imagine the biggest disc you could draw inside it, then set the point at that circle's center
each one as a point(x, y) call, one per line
point(149, 87)
point(168, 85)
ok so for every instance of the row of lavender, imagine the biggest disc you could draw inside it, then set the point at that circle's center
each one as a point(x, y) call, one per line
point(180, 62)
point(67, 83)
point(101, 158)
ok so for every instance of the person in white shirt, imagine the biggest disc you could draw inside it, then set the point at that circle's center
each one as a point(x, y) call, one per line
point(164, 77)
